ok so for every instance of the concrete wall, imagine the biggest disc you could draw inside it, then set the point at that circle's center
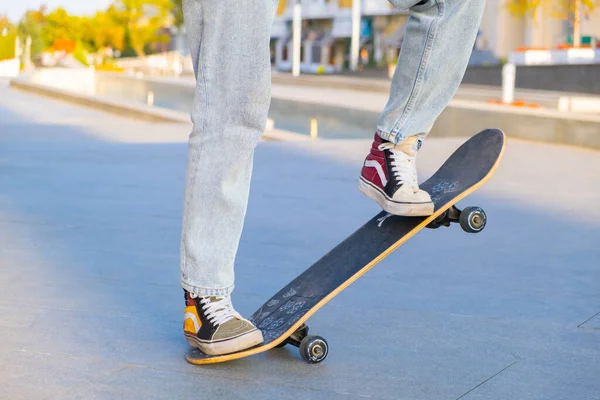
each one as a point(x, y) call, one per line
point(463, 118)
point(562, 78)
point(460, 118)
point(79, 80)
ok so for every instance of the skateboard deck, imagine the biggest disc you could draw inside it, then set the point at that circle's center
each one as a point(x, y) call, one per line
point(281, 318)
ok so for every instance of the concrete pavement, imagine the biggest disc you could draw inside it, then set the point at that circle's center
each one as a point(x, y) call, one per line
point(90, 305)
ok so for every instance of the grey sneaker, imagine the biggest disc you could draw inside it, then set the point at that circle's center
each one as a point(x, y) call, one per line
point(212, 325)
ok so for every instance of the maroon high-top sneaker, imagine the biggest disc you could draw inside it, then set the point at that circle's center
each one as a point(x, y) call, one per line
point(389, 176)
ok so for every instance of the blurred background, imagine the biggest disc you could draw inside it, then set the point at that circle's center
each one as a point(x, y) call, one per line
point(95, 98)
point(529, 53)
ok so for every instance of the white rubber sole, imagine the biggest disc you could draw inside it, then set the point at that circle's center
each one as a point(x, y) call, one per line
point(394, 207)
point(227, 346)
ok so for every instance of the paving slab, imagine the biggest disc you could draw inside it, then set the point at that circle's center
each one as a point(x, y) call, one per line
point(30, 375)
point(592, 322)
point(90, 208)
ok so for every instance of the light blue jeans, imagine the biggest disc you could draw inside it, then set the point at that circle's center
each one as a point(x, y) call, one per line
point(229, 43)
point(437, 45)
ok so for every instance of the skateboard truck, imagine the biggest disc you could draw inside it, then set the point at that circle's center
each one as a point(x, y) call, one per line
point(313, 348)
point(471, 219)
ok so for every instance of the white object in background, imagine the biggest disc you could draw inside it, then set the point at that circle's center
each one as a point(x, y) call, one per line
point(579, 104)
point(355, 41)
point(314, 128)
point(579, 54)
point(18, 50)
point(509, 72)
point(270, 125)
point(296, 38)
point(10, 68)
point(556, 57)
point(150, 100)
point(27, 57)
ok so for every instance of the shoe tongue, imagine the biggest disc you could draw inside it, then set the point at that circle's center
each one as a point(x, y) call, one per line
point(215, 299)
point(410, 146)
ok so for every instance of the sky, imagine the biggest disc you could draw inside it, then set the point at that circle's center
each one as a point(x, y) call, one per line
point(16, 8)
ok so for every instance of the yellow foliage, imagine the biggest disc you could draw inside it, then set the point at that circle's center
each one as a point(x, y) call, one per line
point(560, 9)
point(109, 68)
point(281, 7)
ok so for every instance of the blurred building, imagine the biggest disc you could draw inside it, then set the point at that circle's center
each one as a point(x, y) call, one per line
point(502, 33)
point(327, 26)
point(326, 32)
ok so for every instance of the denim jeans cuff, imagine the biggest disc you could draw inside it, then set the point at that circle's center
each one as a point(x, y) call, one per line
point(201, 291)
point(389, 136)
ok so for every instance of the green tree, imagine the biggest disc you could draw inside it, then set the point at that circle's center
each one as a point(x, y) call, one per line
point(58, 25)
point(561, 9)
point(6, 27)
point(177, 12)
point(102, 30)
point(31, 25)
point(143, 19)
point(7, 38)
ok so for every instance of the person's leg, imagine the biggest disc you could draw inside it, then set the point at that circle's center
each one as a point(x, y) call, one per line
point(229, 45)
point(438, 41)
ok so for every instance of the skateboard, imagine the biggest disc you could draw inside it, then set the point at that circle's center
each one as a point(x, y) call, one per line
point(282, 318)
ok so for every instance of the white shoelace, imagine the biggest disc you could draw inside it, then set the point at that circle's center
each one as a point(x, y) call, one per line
point(218, 311)
point(404, 167)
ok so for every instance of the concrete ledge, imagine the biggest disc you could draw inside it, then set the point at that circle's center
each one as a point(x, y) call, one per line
point(123, 108)
point(464, 117)
point(561, 78)
point(461, 117)
point(540, 125)
point(135, 110)
point(378, 85)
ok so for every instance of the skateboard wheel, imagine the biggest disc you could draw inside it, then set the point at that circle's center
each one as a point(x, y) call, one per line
point(314, 349)
point(472, 219)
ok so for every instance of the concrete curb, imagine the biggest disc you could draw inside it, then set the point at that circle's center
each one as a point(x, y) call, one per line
point(135, 110)
point(460, 118)
point(540, 125)
point(123, 108)
point(334, 81)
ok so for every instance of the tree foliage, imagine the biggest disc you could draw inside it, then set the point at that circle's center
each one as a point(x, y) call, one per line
point(129, 26)
point(8, 33)
point(177, 12)
point(31, 26)
point(6, 27)
point(561, 9)
point(59, 25)
point(143, 20)
point(102, 31)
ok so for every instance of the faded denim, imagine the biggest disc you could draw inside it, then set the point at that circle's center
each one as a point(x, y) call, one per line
point(439, 39)
point(229, 43)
